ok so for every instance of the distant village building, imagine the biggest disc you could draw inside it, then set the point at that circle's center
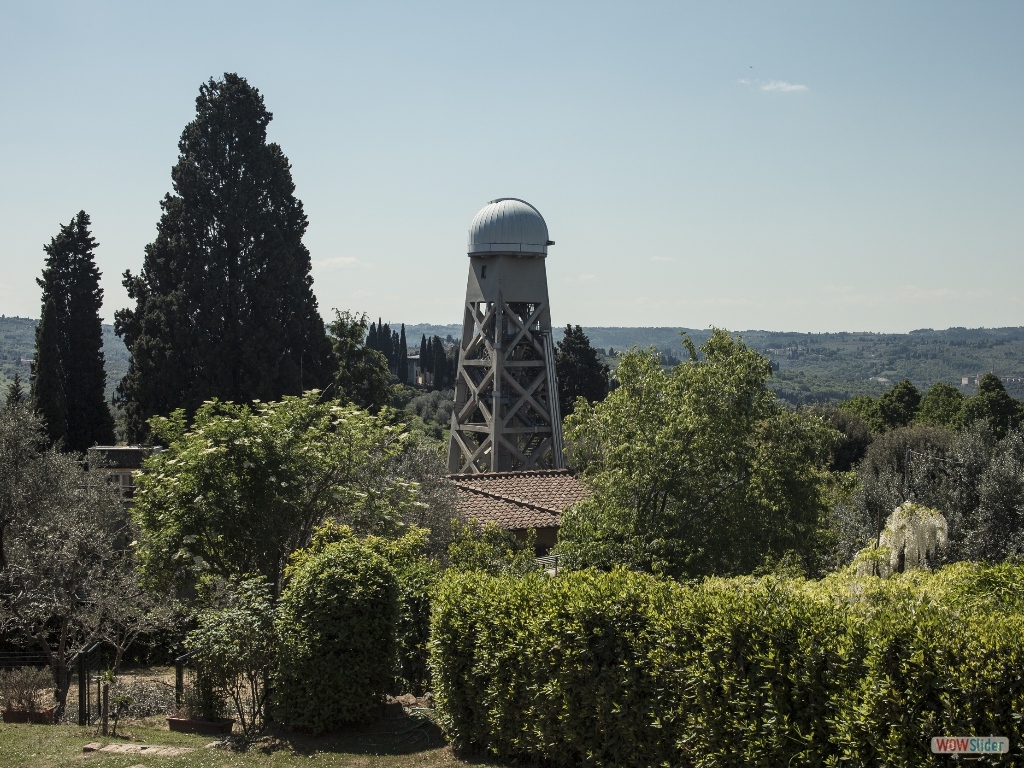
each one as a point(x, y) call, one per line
point(120, 463)
point(972, 379)
point(519, 501)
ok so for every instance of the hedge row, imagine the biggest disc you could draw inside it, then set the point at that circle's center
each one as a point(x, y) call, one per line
point(621, 669)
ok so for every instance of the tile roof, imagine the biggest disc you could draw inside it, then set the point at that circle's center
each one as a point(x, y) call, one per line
point(518, 500)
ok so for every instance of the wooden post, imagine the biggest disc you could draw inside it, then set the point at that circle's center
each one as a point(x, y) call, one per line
point(179, 682)
point(83, 692)
point(106, 697)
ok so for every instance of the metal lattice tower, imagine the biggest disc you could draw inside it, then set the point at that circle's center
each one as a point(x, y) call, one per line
point(506, 415)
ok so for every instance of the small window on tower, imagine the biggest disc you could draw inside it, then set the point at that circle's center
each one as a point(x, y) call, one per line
point(483, 272)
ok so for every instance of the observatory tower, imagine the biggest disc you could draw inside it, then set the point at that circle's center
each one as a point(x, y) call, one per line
point(506, 414)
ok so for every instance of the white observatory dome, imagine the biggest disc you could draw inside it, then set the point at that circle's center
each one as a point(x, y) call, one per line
point(508, 226)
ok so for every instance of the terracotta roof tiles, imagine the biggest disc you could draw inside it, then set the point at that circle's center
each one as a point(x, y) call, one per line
point(518, 500)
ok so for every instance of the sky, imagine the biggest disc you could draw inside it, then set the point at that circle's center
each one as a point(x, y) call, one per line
point(780, 166)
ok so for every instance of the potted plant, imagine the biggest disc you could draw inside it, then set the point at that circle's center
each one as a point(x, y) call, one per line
point(202, 710)
point(23, 693)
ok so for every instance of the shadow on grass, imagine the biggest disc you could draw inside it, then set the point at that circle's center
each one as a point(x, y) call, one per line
point(399, 736)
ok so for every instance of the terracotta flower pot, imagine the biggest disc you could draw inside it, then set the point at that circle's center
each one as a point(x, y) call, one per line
point(40, 717)
point(203, 727)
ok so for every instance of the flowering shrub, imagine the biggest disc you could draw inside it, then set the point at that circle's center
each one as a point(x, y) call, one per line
point(914, 533)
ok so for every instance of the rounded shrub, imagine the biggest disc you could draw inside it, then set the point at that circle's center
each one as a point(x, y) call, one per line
point(336, 628)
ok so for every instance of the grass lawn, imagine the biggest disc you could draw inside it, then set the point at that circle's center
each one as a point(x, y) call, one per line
point(399, 743)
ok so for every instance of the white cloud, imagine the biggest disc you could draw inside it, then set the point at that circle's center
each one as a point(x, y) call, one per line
point(582, 279)
point(662, 258)
point(774, 85)
point(782, 85)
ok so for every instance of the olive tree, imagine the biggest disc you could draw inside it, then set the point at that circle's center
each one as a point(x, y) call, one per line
point(67, 577)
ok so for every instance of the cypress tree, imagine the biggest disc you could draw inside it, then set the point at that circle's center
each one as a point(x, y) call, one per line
point(371, 337)
point(48, 396)
point(439, 363)
point(224, 303)
point(15, 392)
point(580, 371)
point(424, 358)
point(385, 345)
point(403, 357)
point(68, 376)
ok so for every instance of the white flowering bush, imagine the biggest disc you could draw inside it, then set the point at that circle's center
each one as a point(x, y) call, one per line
point(873, 561)
point(914, 532)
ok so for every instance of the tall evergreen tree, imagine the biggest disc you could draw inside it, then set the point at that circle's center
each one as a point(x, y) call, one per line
point(426, 360)
point(68, 379)
point(371, 337)
point(224, 303)
point(580, 371)
point(439, 362)
point(403, 357)
point(15, 392)
point(48, 396)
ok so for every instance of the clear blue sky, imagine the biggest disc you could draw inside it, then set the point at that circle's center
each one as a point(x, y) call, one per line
point(782, 166)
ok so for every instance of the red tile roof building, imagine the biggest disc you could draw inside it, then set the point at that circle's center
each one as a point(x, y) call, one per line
point(518, 501)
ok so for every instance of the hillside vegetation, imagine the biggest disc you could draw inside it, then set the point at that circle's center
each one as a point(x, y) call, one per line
point(813, 367)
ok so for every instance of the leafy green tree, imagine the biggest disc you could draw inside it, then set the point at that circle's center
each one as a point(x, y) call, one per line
point(580, 371)
point(994, 405)
point(865, 408)
point(235, 647)
point(363, 376)
point(898, 406)
point(698, 470)
point(941, 405)
point(68, 377)
point(15, 392)
point(855, 437)
point(245, 486)
point(224, 303)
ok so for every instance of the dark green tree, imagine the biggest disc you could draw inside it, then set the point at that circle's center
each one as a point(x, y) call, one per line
point(48, 396)
point(403, 357)
point(224, 303)
point(580, 371)
point(898, 407)
point(941, 405)
point(15, 392)
point(363, 376)
point(68, 377)
point(994, 405)
point(439, 363)
point(426, 361)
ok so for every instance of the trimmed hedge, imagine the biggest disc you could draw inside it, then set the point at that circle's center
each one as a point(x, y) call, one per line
point(622, 669)
point(336, 628)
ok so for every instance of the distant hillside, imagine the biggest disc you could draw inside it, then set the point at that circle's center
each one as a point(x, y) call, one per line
point(18, 343)
point(813, 367)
